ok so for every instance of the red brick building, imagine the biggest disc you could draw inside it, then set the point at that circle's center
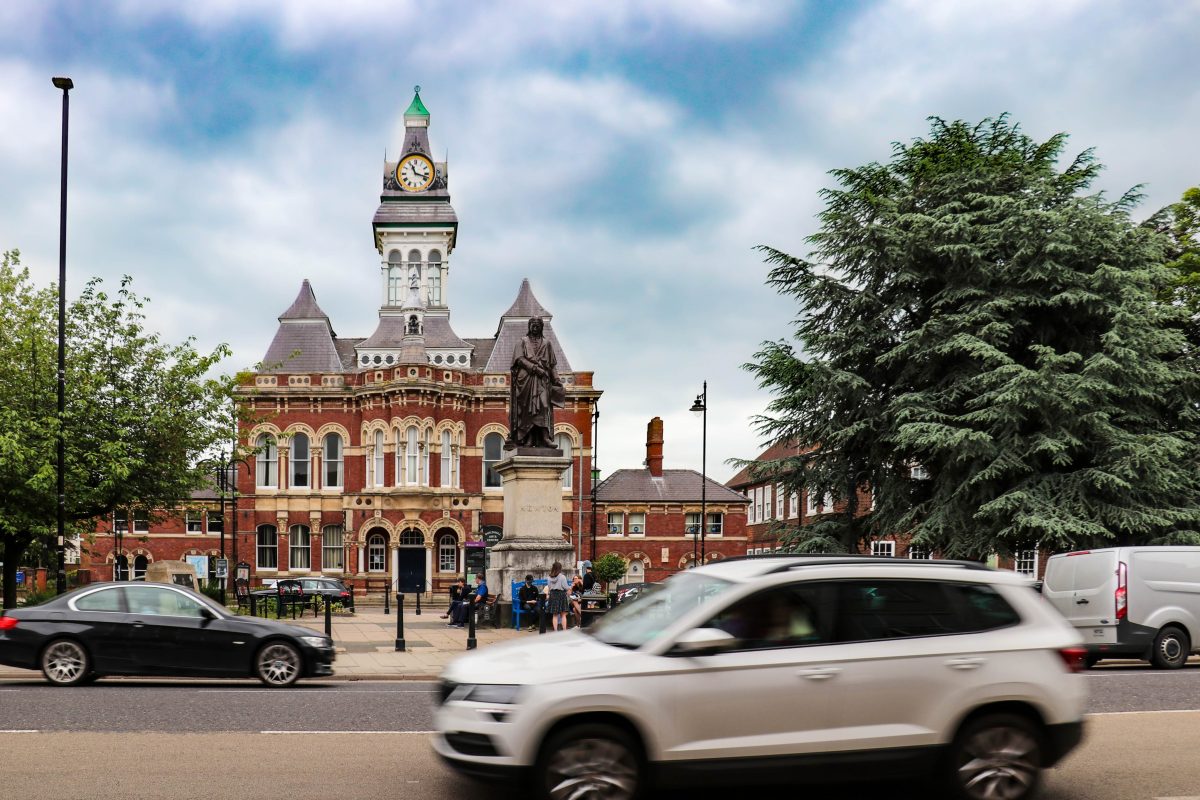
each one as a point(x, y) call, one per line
point(373, 459)
point(651, 517)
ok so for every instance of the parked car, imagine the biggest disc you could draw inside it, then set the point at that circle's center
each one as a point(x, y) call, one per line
point(632, 591)
point(149, 629)
point(308, 587)
point(1130, 602)
point(776, 670)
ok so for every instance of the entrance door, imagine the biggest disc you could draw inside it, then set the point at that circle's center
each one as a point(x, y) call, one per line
point(412, 569)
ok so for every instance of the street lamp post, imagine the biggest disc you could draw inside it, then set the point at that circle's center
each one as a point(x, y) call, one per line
point(595, 474)
point(61, 582)
point(700, 407)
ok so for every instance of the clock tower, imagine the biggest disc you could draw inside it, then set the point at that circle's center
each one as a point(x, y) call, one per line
point(415, 229)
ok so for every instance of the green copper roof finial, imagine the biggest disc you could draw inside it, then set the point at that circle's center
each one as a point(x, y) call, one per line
point(416, 108)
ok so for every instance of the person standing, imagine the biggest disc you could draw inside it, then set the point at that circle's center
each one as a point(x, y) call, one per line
point(556, 590)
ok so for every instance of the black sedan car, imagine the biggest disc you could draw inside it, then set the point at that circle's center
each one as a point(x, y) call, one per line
point(155, 629)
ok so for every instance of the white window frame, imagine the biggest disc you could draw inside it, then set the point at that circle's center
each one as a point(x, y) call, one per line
point(377, 545)
point(298, 552)
point(919, 553)
point(884, 547)
point(918, 473)
point(715, 523)
point(333, 554)
point(826, 506)
point(303, 463)
point(261, 533)
point(447, 553)
point(637, 520)
point(446, 479)
point(778, 501)
point(335, 462)
point(564, 442)
point(750, 519)
point(616, 528)
point(141, 521)
point(691, 524)
point(793, 505)
point(487, 472)
point(192, 522)
point(266, 462)
point(378, 471)
point(1026, 563)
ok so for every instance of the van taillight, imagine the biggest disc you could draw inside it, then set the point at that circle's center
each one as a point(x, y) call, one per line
point(1073, 657)
point(7, 622)
point(1121, 596)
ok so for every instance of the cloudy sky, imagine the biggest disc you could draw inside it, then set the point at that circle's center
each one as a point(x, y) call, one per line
point(624, 156)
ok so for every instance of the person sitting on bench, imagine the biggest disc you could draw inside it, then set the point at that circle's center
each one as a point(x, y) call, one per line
point(528, 600)
point(458, 594)
point(477, 599)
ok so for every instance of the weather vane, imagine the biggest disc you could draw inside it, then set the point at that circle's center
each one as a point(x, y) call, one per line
point(417, 89)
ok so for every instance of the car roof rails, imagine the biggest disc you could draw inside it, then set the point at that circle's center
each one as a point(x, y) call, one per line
point(827, 560)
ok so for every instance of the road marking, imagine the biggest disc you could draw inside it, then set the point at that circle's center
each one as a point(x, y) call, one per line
point(339, 733)
point(21, 731)
point(325, 694)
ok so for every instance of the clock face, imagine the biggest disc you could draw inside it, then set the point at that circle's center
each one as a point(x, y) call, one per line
point(414, 173)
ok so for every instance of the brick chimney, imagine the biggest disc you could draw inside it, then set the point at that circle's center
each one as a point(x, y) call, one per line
point(654, 446)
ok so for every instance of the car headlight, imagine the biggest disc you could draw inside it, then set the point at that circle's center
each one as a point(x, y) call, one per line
point(499, 694)
point(319, 642)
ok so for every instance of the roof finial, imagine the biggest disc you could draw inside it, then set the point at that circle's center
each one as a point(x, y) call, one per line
point(417, 89)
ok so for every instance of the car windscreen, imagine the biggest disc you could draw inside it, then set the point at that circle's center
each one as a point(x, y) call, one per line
point(634, 625)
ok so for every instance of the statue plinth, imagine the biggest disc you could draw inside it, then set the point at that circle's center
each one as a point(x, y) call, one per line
point(533, 540)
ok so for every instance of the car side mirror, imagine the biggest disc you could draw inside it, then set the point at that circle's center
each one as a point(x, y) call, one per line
point(702, 642)
point(207, 613)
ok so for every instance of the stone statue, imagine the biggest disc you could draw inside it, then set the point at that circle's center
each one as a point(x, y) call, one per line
point(535, 391)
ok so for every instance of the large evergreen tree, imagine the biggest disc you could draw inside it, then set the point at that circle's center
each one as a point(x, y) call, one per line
point(141, 415)
point(970, 308)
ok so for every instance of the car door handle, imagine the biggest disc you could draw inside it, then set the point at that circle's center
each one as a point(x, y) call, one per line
point(1082, 602)
point(965, 663)
point(818, 673)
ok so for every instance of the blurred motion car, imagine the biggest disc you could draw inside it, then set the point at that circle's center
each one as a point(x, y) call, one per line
point(632, 591)
point(151, 629)
point(773, 670)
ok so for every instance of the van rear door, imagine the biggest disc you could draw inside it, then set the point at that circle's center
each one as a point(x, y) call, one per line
point(1082, 586)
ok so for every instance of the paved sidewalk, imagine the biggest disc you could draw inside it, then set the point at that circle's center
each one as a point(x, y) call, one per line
point(366, 644)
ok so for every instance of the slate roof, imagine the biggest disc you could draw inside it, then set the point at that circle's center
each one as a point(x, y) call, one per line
point(304, 341)
point(389, 333)
point(345, 351)
point(514, 324)
point(438, 333)
point(675, 486)
point(415, 212)
point(776, 451)
point(483, 351)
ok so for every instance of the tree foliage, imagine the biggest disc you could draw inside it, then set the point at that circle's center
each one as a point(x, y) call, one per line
point(141, 414)
point(609, 567)
point(970, 308)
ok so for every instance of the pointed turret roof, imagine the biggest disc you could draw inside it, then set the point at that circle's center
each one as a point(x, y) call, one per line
point(305, 341)
point(416, 108)
point(526, 305)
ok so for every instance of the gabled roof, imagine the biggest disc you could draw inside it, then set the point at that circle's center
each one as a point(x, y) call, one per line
point(773, 453)
point(675, 486)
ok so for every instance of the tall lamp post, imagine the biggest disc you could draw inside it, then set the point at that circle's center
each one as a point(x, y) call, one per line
point(227, 475)
point(61, 582)
point(595, 474)
point(700, 408)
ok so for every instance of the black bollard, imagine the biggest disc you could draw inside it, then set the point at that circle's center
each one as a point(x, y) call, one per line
point(399, 622)
point(470, 624)
point(418, 604)
point(386, 609)
point(328, 617)
point(253, 606)
point(292, 602)
point(278, 606)
point(541, 618)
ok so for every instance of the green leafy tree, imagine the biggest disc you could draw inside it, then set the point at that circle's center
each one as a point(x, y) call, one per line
point(608, 568)
point(970, 310)
point(141, 415)
point(1180, 223)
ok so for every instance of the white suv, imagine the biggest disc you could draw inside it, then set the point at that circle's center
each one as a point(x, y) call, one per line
point(781, 669)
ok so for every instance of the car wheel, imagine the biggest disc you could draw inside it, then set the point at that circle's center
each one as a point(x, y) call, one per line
point(1171, 648)
point(995, 756)
point(278, 664)
point(594, 760)
point(65, 663)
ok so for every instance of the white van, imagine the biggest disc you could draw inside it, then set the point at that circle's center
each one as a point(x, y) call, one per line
point(1130, 602)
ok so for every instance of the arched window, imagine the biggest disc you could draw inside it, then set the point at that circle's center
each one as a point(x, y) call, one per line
point(563, 440)
point(493, 448)
point(395, 279)
point(427, 445)
point(332, 552)
point(139, 568)
point(414, 265)
point(300, 551)
point(268, 547)
point(435, 278)
point(121, 568)
point(411, 475)
point(376, 552)
point(333, 461)
point(267, 462)
point(378, 481)
point(299, 457)
point(447, 553)
point(447, 476)
point(412, 538)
